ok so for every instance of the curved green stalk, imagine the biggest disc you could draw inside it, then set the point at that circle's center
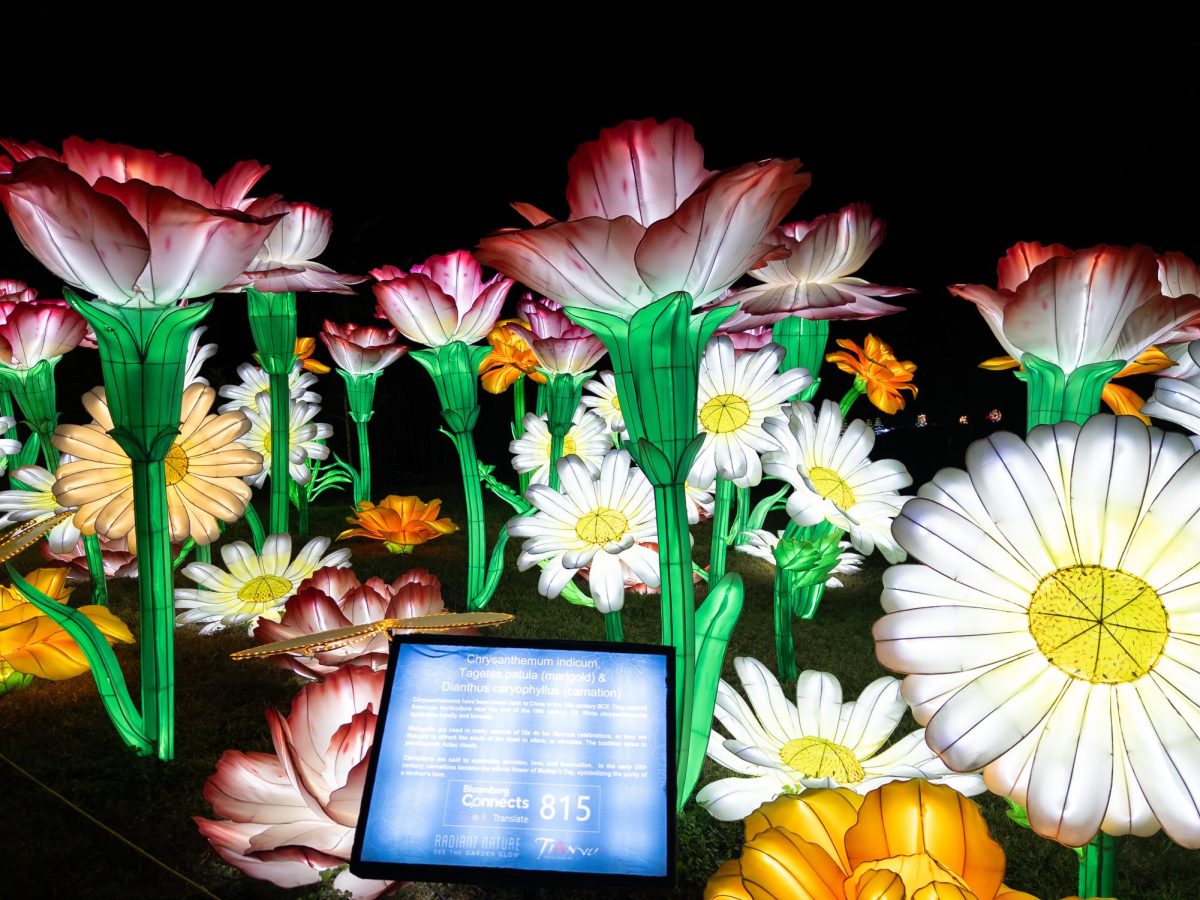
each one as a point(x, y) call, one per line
point(95, 563)
point(720, 529)
point(360, 391)
point(101, 659)
point(257, 534)
point(143, 355)
point(803, 342)
point(564, 392)
point(1098, 867)
point(518, 425)
point(557, 441)
point(468, 461)
point(281, 433)
point(857, 389)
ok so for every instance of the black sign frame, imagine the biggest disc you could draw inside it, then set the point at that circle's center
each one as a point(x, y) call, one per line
point(529, 878)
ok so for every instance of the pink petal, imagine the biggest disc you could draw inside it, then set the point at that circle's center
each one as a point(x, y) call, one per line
point(331, 580)
point(194, 251)
point(312, 277)
point(291, 867)
point(458, 274)
point(88, 240)
point(37, 331)
point(644, 170)
point(302, 234)
point(100, 159)
point(721, 231)
point(835, 245)
point(532, 214)
point(1100, 304)
point(479, 319)
point(22, 151)
point(991, 304)
point(420, 310)
point(234, 185)
point(387, 273)
point(1015, 266)
point(253, 787)
point(588, 262)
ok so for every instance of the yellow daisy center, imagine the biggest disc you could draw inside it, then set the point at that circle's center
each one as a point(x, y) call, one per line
point(266, 441)
point(616, 403)
point(264, 590)
point(568, 445)
point(830, 485)
point(815, 757)
point(601, 526)
point(724, 413)
point(175, 465)
point(1098, 624)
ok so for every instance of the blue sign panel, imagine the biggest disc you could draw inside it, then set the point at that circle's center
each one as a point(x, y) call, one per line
point(539, 757)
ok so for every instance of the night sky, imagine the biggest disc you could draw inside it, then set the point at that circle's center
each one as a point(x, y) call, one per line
point(1080, 134)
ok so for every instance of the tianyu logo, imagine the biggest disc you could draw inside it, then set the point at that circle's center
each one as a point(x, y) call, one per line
point(553, 848)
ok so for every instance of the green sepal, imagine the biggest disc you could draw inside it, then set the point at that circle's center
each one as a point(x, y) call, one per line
point(1016, 812)
point(803, 341)
point(360, 392)
point(143, 357)
point(273, 325)
point(100, 656)
point(34, 391)
point(715, 621)
point(564, 392)
point(1056, 397)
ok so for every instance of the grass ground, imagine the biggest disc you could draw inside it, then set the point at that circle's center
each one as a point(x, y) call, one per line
point(58, 733)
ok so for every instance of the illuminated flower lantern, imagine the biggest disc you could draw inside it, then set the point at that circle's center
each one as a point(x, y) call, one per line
point(290, 815)
point(781, 747)
point(1075, 318)
point(204, 468)
point(906, 839)
point(284, 265)
point(836, 488)
point(652, 234)
point(445, 304)
point(401, 523)
point(255, 587)
point(141, 231)
point(736, 396)
point(507, 365)
point(811, 282)
point(877, 373)
point(1049, 633)
point(565, 354)
point(334, 598)
point(35, 500)
point(12, 292)
point(361, 353)
point(534, 452)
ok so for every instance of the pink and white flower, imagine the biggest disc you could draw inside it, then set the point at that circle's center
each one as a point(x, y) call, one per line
point(1076, 307)
point(14, 291)
point(335, 598)
point(134, 227)
point(361, 349)
point(38, 330)
point(560, 346)
point(118, 560)
point(290, 815)
point(815, 280)
point(286, 260)
point(444, 299)
point(646, 220)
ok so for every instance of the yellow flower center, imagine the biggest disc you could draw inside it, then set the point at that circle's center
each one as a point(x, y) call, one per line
point(1098, 624)
point(267, 440)
point(724, 413)
point(830, 485)
point(264, 590)
point(568, 445)
point(601, 526)
point(616, 403)
point(815, 757)
point(175, 465)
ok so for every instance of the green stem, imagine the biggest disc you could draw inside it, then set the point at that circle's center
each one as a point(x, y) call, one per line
point(156, 593)
point(464, 443)
point(363, 484)
point(678, 608)
point(302, 512)
point(6, 409)
point(741, 519)
point(281, 427)
point(254, 523)
point(1098, 867)
point(95, 564)
point(518, 426)
point(785, 650)
point(720, 527)
point(556, 451)
point(803, 342)
point(857, 389)
point(806, 598)
point(613, 631)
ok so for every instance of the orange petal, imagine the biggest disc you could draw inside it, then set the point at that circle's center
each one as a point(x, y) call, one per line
point(999, 364)
point(1123, 401)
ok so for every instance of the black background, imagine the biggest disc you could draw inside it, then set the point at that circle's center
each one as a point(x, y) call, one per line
point(965, 133)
